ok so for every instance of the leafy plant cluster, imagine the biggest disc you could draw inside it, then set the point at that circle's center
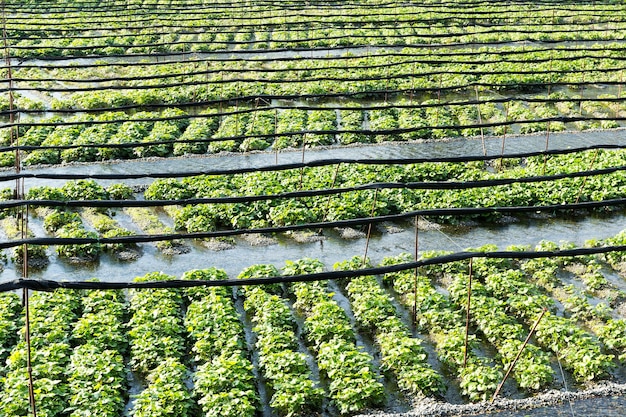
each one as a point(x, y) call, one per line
point(108, 228)
point(573, 346)
point(148, 221)
point(358, 204)
point(97, 370)
point(285, 368)
point(352, 382)
point(52, 318)
point(224, 382)
point(10, 323)
point(65, 223)
point(401, 354)
point(609, 330)
point(478, 377)
point(157, 350)
point(12, 228)
point(532, 369)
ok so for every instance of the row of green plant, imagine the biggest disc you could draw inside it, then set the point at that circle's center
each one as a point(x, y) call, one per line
point(260, 130)
point(97, 371)
point(224, 381)
point(285, 369)
point(598, 318)
point(148, 221)
point(52, 317)
point(366, 76)
point(532, 370)
point(574, 347)
point(157, 350)
point(401, 353)
point(355, 204)
point(434, 313)
point(150, 40)
point(352, 382)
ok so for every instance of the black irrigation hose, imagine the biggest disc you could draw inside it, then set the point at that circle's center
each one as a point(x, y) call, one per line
point(196, 83)
point(168, 45)
point(297, 11)
point(254, 100)
point(51, 285)
point(460, 211)
point(413, 75)
point(290, 27)
point(430, 185)
point(417, 52)
point(562, 119)
point(311, 164)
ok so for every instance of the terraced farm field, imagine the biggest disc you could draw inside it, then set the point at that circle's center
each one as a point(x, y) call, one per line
point(312, 208)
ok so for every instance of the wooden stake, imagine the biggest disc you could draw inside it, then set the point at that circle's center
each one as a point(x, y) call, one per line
point(369, 228)
point(508, 372)
point(415, 256)
point(467, 317)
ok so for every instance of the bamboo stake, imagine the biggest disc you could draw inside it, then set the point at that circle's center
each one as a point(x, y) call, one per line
point(415, 255)
point(480, 121)
point(29, 368)
point(582, 186)
point(467, 317)
point(330, 196)
point(369, 228)
point(519, 353)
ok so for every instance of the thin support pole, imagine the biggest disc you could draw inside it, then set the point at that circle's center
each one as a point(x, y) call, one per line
point(506, 118)
point(467, 315)
point(619, 94)
point(582, 186)
point(29, 368)
point(545, 156)
point(302, 168)
point(480, 121)
point(275, 137)
point(330, 196)
point(369, 228)
point(519, 353)
point(415, 256)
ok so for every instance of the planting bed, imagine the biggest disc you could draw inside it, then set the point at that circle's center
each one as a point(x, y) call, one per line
point(253, 208)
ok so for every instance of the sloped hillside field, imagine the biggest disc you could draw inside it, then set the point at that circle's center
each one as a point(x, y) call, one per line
point(312, 208)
